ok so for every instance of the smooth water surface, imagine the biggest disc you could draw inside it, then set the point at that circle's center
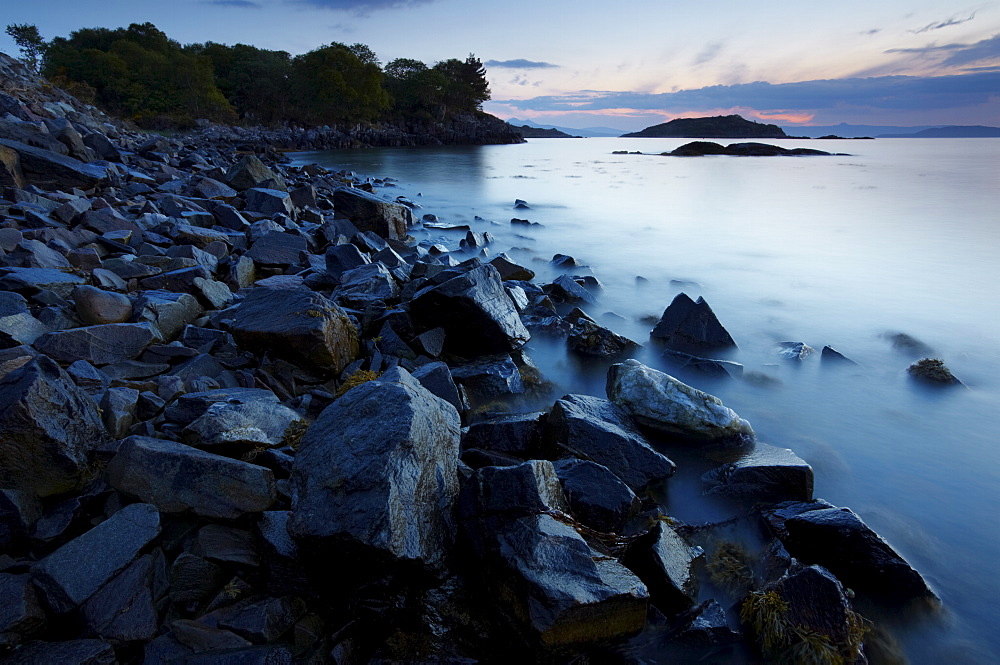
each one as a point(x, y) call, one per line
point(901, 236)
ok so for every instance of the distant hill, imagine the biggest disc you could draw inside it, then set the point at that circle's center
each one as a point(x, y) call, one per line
point(950, 132)
point(595, 132)
point(540, 133)
point(848, 131)
point(716, 127)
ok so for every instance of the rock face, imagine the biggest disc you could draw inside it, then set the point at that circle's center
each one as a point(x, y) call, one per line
point(98, 345)
point(661, 402)
point(376, 475)
point(49, 425)
point(178, 478)
point(691, 327)
point(301, 326)
point(767, 475)
point(598, 430)
point(370, 213)
point(597, 497)
point(663, 561)
point(475, 311)
point(50, 169)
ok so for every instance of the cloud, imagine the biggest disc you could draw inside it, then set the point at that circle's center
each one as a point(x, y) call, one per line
point(944, 24)
point(520, 63)
point(242, 4)
point(883, 92)
point(960, 54)
point(362, 7)
point(709, 53)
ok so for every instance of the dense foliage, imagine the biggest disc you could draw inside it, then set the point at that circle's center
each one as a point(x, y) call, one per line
point(140, 73)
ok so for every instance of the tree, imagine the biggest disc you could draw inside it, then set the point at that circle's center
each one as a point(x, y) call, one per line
point(467, 86)
point(255, 81)
point(334, 84)
point(416, 89)
point(30, 41)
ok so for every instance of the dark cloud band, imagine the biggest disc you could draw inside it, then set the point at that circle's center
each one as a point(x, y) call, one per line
point(363, 6)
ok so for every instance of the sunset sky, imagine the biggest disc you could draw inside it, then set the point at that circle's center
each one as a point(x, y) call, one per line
point(631, 63)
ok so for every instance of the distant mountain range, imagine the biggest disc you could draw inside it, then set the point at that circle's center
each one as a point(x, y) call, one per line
point(950, 132)
point(529, 132)
point(888, 131)
point(715, 127)
point(586, 131)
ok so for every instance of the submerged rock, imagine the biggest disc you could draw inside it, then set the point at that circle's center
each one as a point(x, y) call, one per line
point(766, 475)
point(661, 402)
point(691, 326)
point(933, 371)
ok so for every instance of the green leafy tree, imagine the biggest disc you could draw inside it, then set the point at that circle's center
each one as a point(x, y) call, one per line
point(338, 83)
point(416, 89)
point(467, 87)
point(255, 81)
point(30, 41)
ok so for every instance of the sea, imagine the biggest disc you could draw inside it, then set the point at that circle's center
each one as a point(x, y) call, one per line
point(849, 250)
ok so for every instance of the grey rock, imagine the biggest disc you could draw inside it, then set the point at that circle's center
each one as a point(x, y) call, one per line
point(201, 638)
point(664, 562)
point(95, 306)
point(50, 425)
point(370, 213)
point(341, 258)
point(77, 570)
point(708, 366)
point(194, 579)
point(436, 377)
point(264, 621)
point(269, 201)
point(598, 430)
point(118, 407)
point(795, 350)
point(565, 289)
point(508, 269)
point(17, 325)
point(832, 356)
point(596, 496)
point(21, 614)
point(78, 652)
point(124, 610)
point(691, 327)
point(29, 281)
point(241, 423)
point(166, 312)
point(661, 402)
point(516, 434)
point(590, 339)
point(376, 474)
point(250, 172)
point(489, 378)
point(514, 491)
point(367, 284)
point(766, 475)
point(49, 169)
point(278, 249)
point(192, 406)
point(98, 345)
point(227, 545)
point(178, 478)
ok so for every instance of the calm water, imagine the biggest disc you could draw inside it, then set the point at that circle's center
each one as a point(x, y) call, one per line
point(901, 236)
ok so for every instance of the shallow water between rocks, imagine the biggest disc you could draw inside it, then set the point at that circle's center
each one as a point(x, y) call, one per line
point(901, 236)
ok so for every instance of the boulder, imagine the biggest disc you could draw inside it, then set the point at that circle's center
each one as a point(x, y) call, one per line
point(834, 357)
point(192, 406)
point(178, 478)
point(95, 306)
point(765, 475)
point(595, 429)
point(664, 562)
point(298, 325)
point(707, 366)
point(10, 169)
point(244, 423)
point(269, 201)
point(366, 284)
point(691, 327)
point(49, 426)
point(76, 571)
point(661, 402)
point(517, 434)
point(264, 621)
point(587, 338)
point(21, 614)
point(250, 172)
point(17, 325)
point(51, 170)
point(341, 258)
point(596, 496)
point(29, 281)
point(436, 377)
point(278, 249)
point(514, 491)
point(370, 213)
point(510, 270)
point(795, 350)
point(166, 312)
point(489, 378)
point(98, 345)
point(933, 371)
point(376, 476)
point(475, 311)
point(124, 610)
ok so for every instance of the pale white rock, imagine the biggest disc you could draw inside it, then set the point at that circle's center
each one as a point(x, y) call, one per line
point(661, 402)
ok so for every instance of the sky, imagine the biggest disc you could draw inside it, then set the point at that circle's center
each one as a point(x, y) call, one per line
point(629, 64)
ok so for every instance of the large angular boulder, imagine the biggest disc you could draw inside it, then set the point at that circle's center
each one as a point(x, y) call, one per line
point(376, 475)
point(661, 402)
point(250, 172)
point(243, 423)
point(691, 327)
point(77, 570)
point(178, 478)
point(597, 497)
point(268, 201)
point(98, 345)
point(767, 474)
point(278, 249)
point(595, 429)
point(49, 426)
point(29, 281)
point(477, 314)
point(124, 610)
point(50, 170)
point(17, 325)
point(370, 213)
point(664, 562)
point(298, 325)
point(10, 169)
point(166, 312)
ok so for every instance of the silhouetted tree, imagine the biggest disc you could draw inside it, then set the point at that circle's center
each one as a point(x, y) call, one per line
point(30, 41)
point(339, 83)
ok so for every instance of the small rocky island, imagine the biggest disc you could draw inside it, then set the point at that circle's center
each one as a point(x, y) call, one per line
point(715, 127)
point(703, 148)
point(247, 417)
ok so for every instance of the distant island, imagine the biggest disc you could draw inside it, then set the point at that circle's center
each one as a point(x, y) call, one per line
point(717, 127)
point(542, 133)
point(950, 132)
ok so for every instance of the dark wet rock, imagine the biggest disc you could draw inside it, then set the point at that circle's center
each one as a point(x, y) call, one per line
point(661, 402)
point(49, 426)
point(706, 626)
point(475, 311)
point(21, 614)
point(19, 511)
point(564, 261)
point(118, 408)
point(98, 345)
point(587, 338)
point(264, 621)
point(297, 325)
point(341, 258)
point(88, 377)
point(30, 281)
point(45, 168)
point(280, 555)
point(124, 609)
point(268, 201)
point(17, 325)
point(549, 580)
point(565, 289)
point(366, 284)
point(933, 371)
point(386, 454)
point(274, 654)
point(278, 249)
point(720, 368)
point(166, 312)
point(76, 571)
point(431, 342)
point(596, 496)
point(250, 172)
point(795, 350)
point(516, 434)
point(194, 579)
point(227, 545)
point(489, 378)
point(766, 475)
point(595, 429)
point(528, 488)
point(370, 213)
point(243, 423)
point(95, 306)
point(192, 406)
point(436, 377)
point(78, 652)
point(201, 638)
point(508, 269)
point(909, 345)
point(178, 478)
point(691, 327)
point(837, 539)
point(834, 357)
point(664, 561)
point(475, 240)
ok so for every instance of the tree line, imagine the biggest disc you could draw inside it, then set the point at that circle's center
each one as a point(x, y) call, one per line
point(139, 73)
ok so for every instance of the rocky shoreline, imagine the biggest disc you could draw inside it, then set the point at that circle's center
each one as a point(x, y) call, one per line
point(246, 417)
